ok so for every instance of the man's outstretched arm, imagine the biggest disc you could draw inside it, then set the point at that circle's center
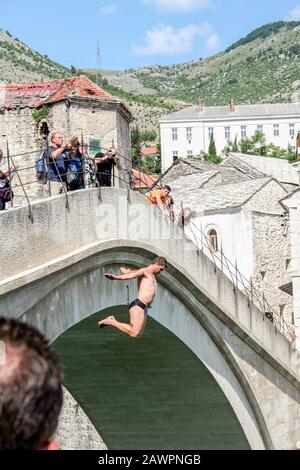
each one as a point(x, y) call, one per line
point(127, 270)
point(128, 275)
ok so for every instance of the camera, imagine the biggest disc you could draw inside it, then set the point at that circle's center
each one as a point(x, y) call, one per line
point(111, 155)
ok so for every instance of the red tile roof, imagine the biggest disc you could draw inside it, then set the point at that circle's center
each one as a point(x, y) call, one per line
point(34, 95)
point(148, 151)
point(141, 180)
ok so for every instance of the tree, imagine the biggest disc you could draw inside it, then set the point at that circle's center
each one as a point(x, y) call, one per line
point(135, 146)
point(212, 151)
point(247, 145)
point(256, 145)
point(158, 159)
point(148, 136)
point(235, 147)
point(148, 164)
point(259, 141)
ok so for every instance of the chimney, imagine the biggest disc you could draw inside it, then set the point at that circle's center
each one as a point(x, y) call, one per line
point(201, 105)
point(232, 107)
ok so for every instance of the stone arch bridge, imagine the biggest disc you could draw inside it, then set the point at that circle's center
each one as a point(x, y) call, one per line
point(52, 276)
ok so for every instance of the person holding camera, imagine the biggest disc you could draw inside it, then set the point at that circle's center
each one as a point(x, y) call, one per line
point(6, 193)
point(56, 157)
point(74, 164)
point(104, 163)
point(6, 176)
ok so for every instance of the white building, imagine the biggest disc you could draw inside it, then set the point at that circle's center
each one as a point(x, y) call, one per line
point(187, 132)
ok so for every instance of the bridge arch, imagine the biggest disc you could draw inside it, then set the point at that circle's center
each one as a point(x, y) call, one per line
point(81, 290)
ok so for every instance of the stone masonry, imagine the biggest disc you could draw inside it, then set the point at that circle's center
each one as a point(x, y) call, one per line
point(75, 430)
point(72, 114)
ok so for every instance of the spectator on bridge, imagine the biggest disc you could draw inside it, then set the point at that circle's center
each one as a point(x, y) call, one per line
point(183, 217)
point(160, 198)
point(31, 392)
point(8, 173)
point(74, 164)
point(104, 163)
point(6, 193)
point(89, 176)
point(169, 205)
point(56, 156)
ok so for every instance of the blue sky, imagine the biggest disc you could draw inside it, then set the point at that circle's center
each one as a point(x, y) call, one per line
point(137, 32)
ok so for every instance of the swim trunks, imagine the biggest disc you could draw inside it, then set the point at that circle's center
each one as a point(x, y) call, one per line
point(140, 304)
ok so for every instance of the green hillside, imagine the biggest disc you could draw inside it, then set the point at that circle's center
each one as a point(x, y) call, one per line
point(264, 66)
point(19, 63)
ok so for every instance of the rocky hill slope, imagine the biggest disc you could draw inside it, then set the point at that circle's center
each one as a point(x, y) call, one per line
point(262, 67)
point(19, 63)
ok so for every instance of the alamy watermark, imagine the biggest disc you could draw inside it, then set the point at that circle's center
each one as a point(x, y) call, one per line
point(137, 222)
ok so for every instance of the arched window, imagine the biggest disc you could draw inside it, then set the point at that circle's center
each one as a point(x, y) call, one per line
point(213, 240)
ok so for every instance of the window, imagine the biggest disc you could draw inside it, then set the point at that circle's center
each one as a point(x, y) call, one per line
point(189, 134)
point(243, 132)
point(174, 134)
point(175, 155)
point(292, 131)
point(227, 133)
point(44, 129)
point(276, 130)
point(189, 153)
point(94, 146)
point(213, 240)
point(210, 132)
point(260, 127)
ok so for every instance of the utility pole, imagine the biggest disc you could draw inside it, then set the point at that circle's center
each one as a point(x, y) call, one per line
point(98, 69)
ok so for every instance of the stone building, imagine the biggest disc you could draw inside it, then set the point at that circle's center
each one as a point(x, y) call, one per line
point(292, 204)
point(73, 106)
point(239, 213)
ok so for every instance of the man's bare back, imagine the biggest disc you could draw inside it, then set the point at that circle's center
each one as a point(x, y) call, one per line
point(147, 287)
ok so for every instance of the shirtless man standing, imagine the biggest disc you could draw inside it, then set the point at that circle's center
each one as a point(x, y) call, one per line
point(147, 286)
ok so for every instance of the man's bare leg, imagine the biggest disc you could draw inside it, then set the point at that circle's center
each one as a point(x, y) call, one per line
point(137, 323)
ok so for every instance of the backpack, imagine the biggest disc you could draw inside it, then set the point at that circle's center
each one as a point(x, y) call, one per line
point(6, 193)
point(41, 168)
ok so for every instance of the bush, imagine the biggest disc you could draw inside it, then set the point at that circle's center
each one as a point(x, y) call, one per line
point(41, 113)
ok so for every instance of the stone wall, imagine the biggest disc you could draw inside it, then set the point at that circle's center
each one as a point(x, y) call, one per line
point(272, 253)
point(18, 128)
point(292, 203)
point(75, 430)
point(123, 143)
point(76, 117)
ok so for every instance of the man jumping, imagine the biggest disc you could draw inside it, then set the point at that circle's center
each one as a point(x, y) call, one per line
point(138, 309)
